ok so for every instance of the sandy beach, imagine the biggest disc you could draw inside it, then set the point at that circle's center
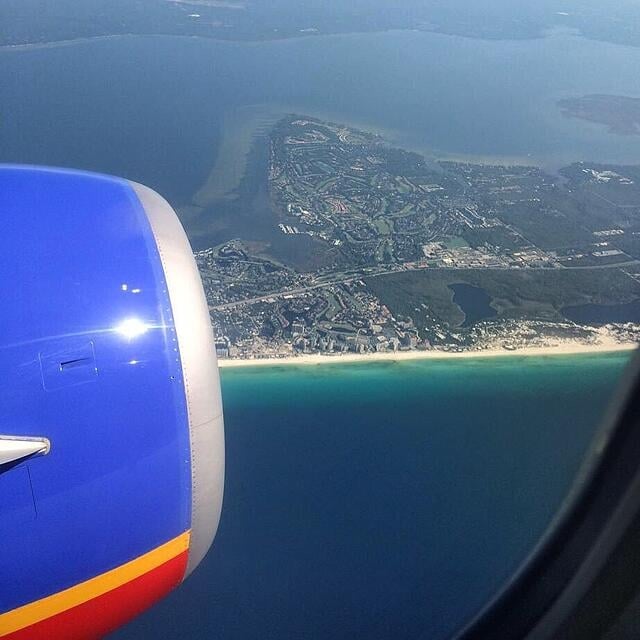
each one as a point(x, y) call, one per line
point(563, 349)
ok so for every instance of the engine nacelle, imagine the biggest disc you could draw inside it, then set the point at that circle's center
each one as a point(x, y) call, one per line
point(111, 428)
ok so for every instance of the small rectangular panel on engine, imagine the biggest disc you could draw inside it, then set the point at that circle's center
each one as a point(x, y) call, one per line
point(67, 362)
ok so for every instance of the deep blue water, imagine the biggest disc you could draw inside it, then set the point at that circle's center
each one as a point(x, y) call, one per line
point(383, 500)
point(603, 313)
point(152, 108)
point(475, 303)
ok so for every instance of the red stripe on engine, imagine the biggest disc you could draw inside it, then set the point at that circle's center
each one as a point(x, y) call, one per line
point(101, 615)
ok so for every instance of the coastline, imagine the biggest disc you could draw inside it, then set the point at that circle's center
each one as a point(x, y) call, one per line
point(55, 44)
point(48, 44)
point(566, 349)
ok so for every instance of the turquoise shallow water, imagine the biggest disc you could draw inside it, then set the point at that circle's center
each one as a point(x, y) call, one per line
point(384, 499)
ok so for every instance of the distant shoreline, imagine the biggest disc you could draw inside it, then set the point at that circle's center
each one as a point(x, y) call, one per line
point(545, 34)
point(47, 44)
point(54, 44)
point(319, 359)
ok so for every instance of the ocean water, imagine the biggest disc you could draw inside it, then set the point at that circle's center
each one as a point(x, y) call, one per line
point(156, 109)
point(385, 500)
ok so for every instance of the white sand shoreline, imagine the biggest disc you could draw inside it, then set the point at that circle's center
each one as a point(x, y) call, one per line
point(319, 359)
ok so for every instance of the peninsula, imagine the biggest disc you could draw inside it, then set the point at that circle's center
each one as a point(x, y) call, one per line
point(367, 248)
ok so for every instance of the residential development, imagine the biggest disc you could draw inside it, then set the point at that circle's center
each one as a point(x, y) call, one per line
point(377, 249)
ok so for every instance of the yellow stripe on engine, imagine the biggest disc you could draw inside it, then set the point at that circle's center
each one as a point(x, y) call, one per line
point(50, 606)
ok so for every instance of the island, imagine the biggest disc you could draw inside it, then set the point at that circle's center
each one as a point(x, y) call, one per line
point(621, 114)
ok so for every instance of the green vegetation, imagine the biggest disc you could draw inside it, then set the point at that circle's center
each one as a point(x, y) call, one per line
point(515, 294)
point(454, 242)
point(545, 227)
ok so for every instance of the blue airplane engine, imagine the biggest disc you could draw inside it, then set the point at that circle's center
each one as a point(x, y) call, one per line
point(111, 434)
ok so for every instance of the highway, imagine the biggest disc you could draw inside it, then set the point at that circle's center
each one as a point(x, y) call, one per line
point(344, 278)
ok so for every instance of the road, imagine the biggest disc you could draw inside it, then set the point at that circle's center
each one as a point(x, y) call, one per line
point(344, 278)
